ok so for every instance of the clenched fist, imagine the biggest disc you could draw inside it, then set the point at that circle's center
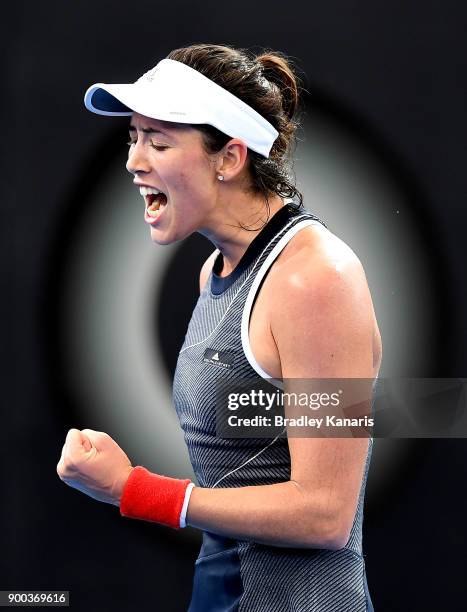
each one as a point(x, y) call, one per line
point(93, 463)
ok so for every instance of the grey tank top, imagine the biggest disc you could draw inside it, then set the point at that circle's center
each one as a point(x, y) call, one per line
point(216, 346)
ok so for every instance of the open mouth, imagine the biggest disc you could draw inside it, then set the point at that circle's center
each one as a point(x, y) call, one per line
point(155, 201)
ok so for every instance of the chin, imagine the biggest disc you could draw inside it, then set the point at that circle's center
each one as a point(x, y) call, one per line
point(163, 238)
point(158, 239)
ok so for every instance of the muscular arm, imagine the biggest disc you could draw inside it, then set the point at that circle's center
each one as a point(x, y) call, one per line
point(324, 329)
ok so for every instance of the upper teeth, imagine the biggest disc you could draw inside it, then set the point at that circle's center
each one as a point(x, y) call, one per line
point(144, 191)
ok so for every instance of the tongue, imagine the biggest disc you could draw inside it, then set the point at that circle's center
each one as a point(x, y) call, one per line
point(157, 201)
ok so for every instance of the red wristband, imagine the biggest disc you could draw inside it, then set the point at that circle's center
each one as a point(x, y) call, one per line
point(152, 497)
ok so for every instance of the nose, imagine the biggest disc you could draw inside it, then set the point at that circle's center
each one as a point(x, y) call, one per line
point(137, 160)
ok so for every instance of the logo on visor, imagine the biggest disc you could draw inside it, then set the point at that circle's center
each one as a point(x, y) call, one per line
point(149, 75)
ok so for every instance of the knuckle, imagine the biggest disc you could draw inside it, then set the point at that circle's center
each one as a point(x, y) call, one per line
point(61, 470)
point(69, 462)
point(100, 436)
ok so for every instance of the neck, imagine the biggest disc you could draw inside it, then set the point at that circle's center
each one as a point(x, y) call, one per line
point(224, 229)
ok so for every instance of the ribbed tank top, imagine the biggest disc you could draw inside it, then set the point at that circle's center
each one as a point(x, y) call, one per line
point(274, 579)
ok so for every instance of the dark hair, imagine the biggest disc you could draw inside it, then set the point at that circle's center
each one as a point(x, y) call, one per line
point(265, 82)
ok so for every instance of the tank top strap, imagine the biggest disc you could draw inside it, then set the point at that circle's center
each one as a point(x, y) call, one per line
point(264, 264)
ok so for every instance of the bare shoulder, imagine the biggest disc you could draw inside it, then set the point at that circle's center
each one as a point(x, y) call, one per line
point(314, 258)
point(206, 269)
point(326, 302)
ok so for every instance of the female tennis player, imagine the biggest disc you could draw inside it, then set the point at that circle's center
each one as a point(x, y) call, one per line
point(282, 298)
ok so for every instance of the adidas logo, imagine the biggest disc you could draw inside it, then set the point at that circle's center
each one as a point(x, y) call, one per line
point(221, 359)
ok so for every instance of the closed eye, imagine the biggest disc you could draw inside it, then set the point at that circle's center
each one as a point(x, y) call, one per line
point(153, 145)
point(159, 147)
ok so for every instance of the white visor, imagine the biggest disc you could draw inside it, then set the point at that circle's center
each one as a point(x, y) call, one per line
point(172, 91)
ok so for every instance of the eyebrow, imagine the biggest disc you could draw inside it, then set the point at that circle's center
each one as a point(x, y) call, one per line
point(148, 130)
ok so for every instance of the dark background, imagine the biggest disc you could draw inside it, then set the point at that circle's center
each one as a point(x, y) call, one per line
point(397, 68)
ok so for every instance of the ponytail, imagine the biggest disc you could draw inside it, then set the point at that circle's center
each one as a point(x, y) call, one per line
point(277, 71)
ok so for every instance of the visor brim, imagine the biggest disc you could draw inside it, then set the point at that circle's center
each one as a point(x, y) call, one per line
point(115, 100)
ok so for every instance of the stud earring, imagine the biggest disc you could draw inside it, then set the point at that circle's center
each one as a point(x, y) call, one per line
point(220, 177)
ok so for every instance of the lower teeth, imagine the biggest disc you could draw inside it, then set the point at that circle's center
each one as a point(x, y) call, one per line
point(155, 212)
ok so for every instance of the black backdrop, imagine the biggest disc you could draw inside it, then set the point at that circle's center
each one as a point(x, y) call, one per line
point(401, 69)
